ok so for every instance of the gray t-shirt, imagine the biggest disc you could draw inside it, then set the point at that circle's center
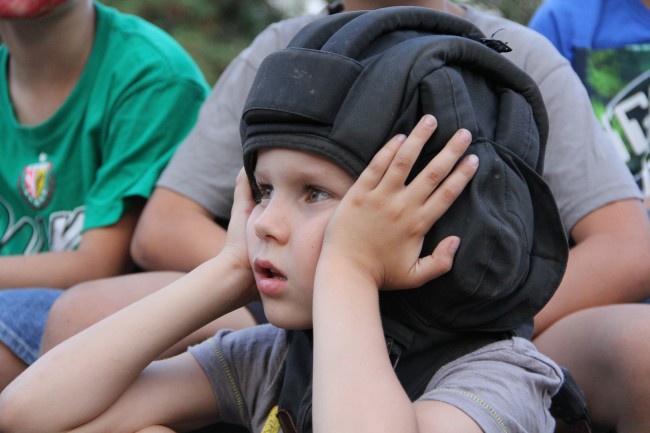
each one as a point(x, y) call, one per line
point(581, 166)
point(504, 386)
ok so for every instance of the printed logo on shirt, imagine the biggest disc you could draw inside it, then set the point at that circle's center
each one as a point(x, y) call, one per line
point(22, 235)
point(36, 183)
point(65, 229)
point(272, 424)
point(29, 234)
point(618, 82)
point(627, 119)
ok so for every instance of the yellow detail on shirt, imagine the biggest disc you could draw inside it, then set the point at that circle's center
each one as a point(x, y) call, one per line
point(272, 425)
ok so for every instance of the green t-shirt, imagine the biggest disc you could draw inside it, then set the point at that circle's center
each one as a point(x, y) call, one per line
point(137, 98)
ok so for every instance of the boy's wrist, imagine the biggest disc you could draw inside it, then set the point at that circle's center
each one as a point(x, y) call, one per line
point(336, 270)
point(231, 278)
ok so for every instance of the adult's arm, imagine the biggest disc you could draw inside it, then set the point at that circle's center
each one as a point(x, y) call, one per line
point(103, 252)
point(607, 265)
point(175, 233)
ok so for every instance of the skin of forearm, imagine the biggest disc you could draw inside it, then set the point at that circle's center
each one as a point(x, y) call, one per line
point(193, 241)
point(103, 252)
point(603, 269)
point(101, 355)
point(57, 269)
point(175, 233)
point(355, 388)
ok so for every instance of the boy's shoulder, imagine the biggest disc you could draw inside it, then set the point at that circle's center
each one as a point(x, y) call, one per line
point(250, 340)
point(245, 369)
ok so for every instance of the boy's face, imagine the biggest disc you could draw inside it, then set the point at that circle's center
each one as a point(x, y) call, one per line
point(299, 193)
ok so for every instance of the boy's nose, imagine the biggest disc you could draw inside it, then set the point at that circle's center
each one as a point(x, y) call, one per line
point(272, 224)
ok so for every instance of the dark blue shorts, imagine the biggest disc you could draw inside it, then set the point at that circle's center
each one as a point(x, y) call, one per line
point(23, 313)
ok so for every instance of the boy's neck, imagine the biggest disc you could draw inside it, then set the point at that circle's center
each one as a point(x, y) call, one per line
point(47, 57)
point(441, 5)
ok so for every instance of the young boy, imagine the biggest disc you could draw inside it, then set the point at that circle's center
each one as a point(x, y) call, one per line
point(316, 246)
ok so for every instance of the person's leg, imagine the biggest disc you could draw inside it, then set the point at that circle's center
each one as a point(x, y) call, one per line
point(607, 350)
point(10, 366)
point(87, 303)
point(22, 319)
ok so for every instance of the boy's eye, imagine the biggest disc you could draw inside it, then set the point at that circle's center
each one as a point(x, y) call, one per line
point(316, 194)
point(264, 193)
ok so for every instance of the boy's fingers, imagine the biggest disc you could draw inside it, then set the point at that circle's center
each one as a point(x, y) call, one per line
point(376, 170)
point(441, 259)
point(451, 188)
point(435, 264)
point(242, 187)
point(243, 196)
point(441, 165)
point(408, 153)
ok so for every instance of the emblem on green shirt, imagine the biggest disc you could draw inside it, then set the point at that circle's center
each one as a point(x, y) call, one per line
point(36, 183)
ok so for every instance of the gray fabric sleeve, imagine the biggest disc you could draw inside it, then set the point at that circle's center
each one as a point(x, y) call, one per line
point(206, 164)
point(504, 387)
point(582, 167)
point(245, 369)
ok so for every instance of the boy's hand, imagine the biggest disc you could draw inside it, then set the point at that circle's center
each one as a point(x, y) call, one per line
point(378, 228)
point(235, 246)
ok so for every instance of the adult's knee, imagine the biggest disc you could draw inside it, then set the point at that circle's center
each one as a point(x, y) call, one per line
point(630, 348)
point(606, 349)
point(87, 303)
point(76, 309)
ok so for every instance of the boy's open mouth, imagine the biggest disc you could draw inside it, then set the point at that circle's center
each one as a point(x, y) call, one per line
point(267, 270)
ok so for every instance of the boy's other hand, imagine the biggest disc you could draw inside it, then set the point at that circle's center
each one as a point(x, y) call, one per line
point(378, 228)
point(243, 204)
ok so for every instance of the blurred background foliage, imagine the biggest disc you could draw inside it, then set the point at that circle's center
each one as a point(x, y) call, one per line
point(214, 31)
